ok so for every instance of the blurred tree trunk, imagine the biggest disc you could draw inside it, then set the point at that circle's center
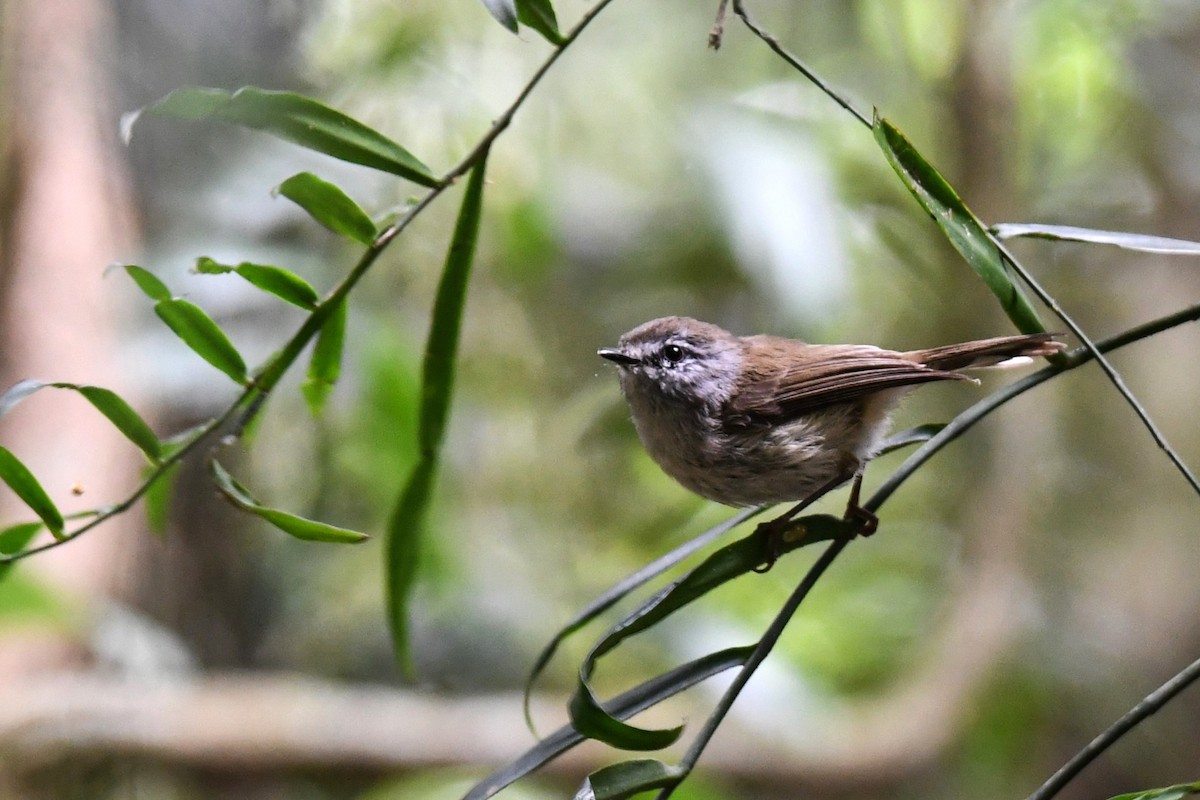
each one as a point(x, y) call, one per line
point(65, 213)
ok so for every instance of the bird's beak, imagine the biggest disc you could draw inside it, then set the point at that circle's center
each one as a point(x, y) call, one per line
point(616, 356)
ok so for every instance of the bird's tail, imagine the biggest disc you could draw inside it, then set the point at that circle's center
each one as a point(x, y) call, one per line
point(986, 352)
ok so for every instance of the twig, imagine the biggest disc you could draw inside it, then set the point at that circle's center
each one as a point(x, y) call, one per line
point(718, 28)
point(1150, 704)
point(783, 53)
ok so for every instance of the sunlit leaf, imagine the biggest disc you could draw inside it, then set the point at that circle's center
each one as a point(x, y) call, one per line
point(539, 15)
point(628, 778)
point(504, 12)
point(149, 283)
point(958, 224)
point(1130, 241)
point(326, 365)
point(299, 527)
point(293, 117)
point(406, 526)
point(330, 206)
point(198, 331)
point(25, 486)
point(284, 284)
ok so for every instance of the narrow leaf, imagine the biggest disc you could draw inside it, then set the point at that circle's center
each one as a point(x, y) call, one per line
point(628, 778)
point(282, 283)
point(326, 365)
point(1067, 233)
point(639, 698)
point(198, 331)
point(724, 565)
point(504, 12)
point(539, 15)
point(15, 538)
point(25, 486)
point(294, 117)
point(148, 282)
point(299, 527)
point(158, 500)
point(122, 416)
point(957, 222)
point(330, 206)
point(407, 522)
point(1176, 792)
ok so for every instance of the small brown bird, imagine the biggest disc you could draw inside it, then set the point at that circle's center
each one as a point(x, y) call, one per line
point(753, 420)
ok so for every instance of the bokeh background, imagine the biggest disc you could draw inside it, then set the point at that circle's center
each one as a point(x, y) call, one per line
point(1024, 590)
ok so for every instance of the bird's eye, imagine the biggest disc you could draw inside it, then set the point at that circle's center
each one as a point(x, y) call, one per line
point(673, 353)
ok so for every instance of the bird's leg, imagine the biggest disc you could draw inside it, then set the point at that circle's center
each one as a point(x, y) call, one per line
point(776, 530)
point(865, 522)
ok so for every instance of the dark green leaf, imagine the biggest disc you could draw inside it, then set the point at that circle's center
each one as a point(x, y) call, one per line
point(330, 206)
point(1129, 241)
point(637, 699)
point(14, 539)
point(595, 723)
point(621, 589)
point(628, 778)
point(539, 15)
point(326, 365)
point(299, 527)
point(197, 330)
point(25, 486)
point(124, 418)
point(282, 283)
point(150, 284)
point(504, 11)
point(18, 392)
point(293, 117)
point(957, 222)
point(437, 383)
point(729, 562)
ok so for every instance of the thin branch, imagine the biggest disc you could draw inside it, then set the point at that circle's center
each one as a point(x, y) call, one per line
point(783, 53)
point(1152, 703)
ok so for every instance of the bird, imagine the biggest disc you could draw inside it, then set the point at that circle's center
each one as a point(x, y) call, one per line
point(762, 420)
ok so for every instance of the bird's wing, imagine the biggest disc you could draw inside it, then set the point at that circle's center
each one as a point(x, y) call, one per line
point(795, 383)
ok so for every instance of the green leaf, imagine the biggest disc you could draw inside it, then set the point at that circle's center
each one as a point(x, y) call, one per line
point(1176, 792)
point(504, 12)
point(628, 778)
point(959, 225)
point(149, 283)
point(108, 403)
point(299, 527)
point(637, 699)
point(539, 15)
point(326, 365)
point(282, 283)
point(294, 117)
point(407, 522)
point(330, 206)
point(623, 588)
point(206, 339)
point(724, 565)
point(14, 538)
point(122, 416)
point(25, 486)
point(1129, 241)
